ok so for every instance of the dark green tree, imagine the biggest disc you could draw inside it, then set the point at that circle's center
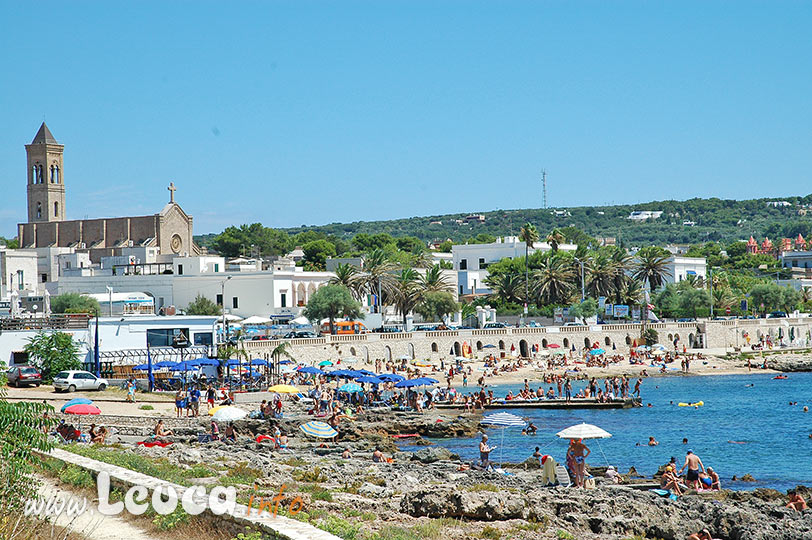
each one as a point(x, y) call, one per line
point(74, 303)
point(317, 251)
point(332, 302)
point(52, 353)
point(435, 305)
point(203, 306)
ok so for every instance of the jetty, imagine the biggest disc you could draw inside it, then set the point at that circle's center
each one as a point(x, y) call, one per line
point(582, 403)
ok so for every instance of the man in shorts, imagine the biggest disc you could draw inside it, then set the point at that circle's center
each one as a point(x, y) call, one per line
point(694, 464)
point(194, 400)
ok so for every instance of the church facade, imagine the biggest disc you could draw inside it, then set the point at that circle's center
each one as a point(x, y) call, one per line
point(170, 230)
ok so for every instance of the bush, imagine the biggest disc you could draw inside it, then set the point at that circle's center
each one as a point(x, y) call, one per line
point(52, 353)
point(170, 521)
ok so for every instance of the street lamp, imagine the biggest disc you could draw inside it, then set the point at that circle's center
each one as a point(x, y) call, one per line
point(223, 296)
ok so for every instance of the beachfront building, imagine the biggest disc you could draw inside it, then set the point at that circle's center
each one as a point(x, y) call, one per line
point(471, 260)
point(681, 268)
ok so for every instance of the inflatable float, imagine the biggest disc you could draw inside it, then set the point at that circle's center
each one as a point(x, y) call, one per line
point(697, 404)
point(780, 377)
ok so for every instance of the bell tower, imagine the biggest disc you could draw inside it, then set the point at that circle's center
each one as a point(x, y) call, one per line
point(46, 188)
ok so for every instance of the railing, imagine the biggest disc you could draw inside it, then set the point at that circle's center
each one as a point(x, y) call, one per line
point(490, 332)
point(621, 327)
point(442, 333)
point(79, 321)
point(397, 335)
point(528, 330)
point(343, 338)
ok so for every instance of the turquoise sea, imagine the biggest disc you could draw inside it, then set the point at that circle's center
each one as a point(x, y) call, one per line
point(740, 429)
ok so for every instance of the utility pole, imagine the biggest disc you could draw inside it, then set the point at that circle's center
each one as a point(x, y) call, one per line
point(583, 295)
point(544, 188)
point(710, 280)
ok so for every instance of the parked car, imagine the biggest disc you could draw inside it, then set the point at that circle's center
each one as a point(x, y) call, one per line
point(573, 324)
point(73, 380)
point(302, 334)
point(18, 375)
point(495, 325)
point(777, 315)
point(686, 319)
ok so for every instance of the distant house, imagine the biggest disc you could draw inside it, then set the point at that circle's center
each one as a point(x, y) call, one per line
point(475, 218)
point(779, 204)
point(435, 222)
point(643, 215)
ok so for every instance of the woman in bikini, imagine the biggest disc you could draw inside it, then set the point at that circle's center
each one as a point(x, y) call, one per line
point(579, 452)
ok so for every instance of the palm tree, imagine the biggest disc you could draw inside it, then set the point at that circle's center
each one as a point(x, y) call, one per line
point(623, 264)
point(379, 276)
point(281, 350)
point(553, 281)
point(601, 275)
point(651, 267)
point(433, 280)
point(723, 299)
point(505, 286)
point(529, 235)
point(467, 311)
point(630, 293)
point(555, 239)
point(350, 277)
point(407, 292)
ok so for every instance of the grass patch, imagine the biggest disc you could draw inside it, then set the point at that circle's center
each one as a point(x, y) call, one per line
point(491, 533)
point(484, 487)
point(294, 461)
point(313, 475)
point(76, 476)
point(563, 535)
point(146, 407)
point(340, 527)
point(170, 521)
point(241, 474)
point(364, 516)
point(350, 488)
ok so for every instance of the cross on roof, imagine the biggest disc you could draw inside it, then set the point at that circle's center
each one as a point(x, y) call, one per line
point(171, 189)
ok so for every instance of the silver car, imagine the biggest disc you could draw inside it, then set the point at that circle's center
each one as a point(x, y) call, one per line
point(73, 380)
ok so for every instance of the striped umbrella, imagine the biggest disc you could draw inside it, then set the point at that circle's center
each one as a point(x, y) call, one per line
point(76, 401)
point(350, 388)
point(229, 414)
point(320, 430)
point(503, 420)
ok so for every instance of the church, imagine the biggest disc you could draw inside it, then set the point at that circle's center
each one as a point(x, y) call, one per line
point(170, 230)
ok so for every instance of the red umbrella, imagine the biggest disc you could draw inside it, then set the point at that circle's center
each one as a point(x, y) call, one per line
point(82, 409)
point(554, 346)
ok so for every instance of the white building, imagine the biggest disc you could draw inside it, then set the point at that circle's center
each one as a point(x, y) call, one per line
point(18, 272)
point(642, 215)
point(471, 260)
point(680, 268)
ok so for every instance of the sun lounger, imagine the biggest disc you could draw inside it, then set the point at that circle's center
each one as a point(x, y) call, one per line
point(562, 476)
point(300, 397)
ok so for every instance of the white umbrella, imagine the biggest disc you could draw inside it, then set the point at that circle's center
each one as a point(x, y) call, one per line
point(256, 320)
point(229, 317)
point(229, 414)
point(301, 319)
point(583, 431)
point(503, 420)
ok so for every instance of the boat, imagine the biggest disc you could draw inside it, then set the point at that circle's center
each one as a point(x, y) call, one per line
point(578, 403)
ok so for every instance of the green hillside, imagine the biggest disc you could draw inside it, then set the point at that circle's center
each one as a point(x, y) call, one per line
point(715, 220)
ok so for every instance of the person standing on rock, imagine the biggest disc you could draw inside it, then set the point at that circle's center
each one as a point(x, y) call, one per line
point(694, 464)
point(485, 451)
point(578, 451)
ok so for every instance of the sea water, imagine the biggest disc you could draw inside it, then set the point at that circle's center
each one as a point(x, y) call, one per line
point(740, 429)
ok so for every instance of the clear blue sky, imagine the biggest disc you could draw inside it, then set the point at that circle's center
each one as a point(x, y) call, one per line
point(302, 112)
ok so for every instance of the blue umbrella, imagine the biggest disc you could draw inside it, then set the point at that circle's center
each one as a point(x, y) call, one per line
point(350, 388)
point(232, 362)
point(259, 362)
point(344, 373)
point(365, 372)
point(206, 362)
point(596, 352)
point(165, 364)
point(369, 379)
point(285, 362)
point(391, 377)
point(311, 370)
point(503, 420)
point(427, 380)
point(188, 365)
point(141, 367)
point(408, 383)
point(489, 346)
point(76, 401)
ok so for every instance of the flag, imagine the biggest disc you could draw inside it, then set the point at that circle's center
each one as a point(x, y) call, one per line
point(150, 378)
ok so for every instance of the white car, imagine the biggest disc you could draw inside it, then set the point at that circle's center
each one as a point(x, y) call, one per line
point(73, 380)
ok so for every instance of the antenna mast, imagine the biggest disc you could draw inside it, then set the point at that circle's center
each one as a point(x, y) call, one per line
point(544, 188)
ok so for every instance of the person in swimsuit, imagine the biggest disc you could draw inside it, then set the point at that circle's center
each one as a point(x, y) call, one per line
point(579, 452)
point(694, 464)
point(179, 405)
point(704, 534)
point(796, 502)
point(484, 452)
point(160, 431)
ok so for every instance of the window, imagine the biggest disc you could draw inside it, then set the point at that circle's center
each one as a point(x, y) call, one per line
point(463, 264)
point(39, 210)
point(795, 264)
point(180, 269)
point(482, 262)
point(235, 303)
point(44, 278)
point(203, 338)
point(461, 291)
point(216, 267)
point(164, 337)
point(56, 174)
point(53, 175)
point(219, 300)
point(283, 302)
point(56, 209)
point(20, 280)
point(34, 174)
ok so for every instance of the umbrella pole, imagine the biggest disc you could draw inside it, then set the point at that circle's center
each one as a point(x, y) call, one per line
point(601, 449)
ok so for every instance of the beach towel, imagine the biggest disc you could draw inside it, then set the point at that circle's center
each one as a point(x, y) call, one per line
point(261, 438)
point(150, 444)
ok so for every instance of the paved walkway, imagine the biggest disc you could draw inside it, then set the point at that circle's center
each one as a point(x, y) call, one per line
point(282, 527)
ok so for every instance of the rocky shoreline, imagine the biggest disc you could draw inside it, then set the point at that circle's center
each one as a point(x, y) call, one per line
point(430, 488)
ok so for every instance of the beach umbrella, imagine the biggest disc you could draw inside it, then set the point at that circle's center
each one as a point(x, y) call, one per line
point(232, 362)
point(350, 388)
point(141, 367)
point(217, 408)
point(76, 401)
point(285, 362)
point(165, 364)
point(258, 362)
point(427, 380)
point(82, 408)
point(229, 414)
point(503, 420)
point(366, 372)
point(349, 360)
point(596, 352)
point(408, 383)
point(186, 365)
point(658, 347)
point(369, 379)
point(320, 430)
point(658, 353)
point(310, 370)
point(489, 346)
point(583, 431)
point(643, 348)
point(391, 377)
point(554, 346)
point(284, 389)
point(205, 362)
point(325, 363)
point(404, 357)
point(461, 359)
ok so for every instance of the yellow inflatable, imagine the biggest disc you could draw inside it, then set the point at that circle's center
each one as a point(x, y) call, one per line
point(697, 404)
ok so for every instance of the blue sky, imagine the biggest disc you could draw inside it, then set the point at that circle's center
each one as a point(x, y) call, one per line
point(307, 112)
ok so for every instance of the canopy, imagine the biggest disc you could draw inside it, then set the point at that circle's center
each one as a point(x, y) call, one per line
point(187, 365)
point(583, 431)
point(350, 388)
point(285, 362)
point(503, 420)
point(82, 408)
point(489, 346)
point(284, 389)
point(232, 362)
point(311, 370)
point(369, 379)
point(427, 380)
point(366, 372)
point(256, 320)
point(165, 364)
point(206, 361)
point(229, 317)
point(141, 367)
point(420, 381)
point(391, 377)
point(229, 414)
point(320, 430)
point(76, 401)
point(554, 346)
point(349, 373)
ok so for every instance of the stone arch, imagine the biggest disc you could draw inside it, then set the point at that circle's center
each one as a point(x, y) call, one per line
point(523, 351)
point(410, 348)
point(39, 209)
point(479, 345)
point(691, 340)
point(501, 345)
point(628, 339)
point(310, 290)
point(544, 343)
point(566, 343)
point(587, 343)
point(457, 349)
point(56, 209)
point(676, 336)
point(434, 347)
point(301, 295)
point(387, 352)
point(352, 351)
point(670, 337)
point(366, 353)
point(607, 341)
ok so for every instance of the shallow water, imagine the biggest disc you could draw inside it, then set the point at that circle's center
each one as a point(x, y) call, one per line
point(776, 449)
